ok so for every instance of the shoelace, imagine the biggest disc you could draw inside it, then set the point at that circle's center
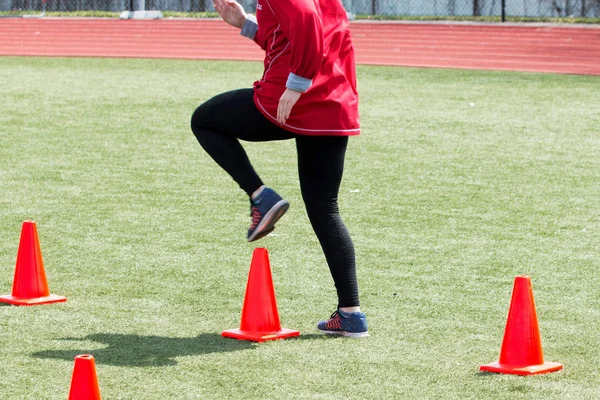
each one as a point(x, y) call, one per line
point(255, 214)
point(335, 321)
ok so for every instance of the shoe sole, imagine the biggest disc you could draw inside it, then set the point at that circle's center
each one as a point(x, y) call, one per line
point(354, 335)
point(261, 235)
point(267, 224)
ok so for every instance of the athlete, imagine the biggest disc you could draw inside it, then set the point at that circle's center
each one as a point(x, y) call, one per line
point(307, 93)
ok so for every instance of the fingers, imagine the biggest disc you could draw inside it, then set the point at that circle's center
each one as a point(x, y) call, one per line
point(286, 103)
point(219, 5)
point(284, 110)
point(281, 111)
point(231, 12)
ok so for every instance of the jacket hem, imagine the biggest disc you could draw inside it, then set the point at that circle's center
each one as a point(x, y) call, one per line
point(305, 131)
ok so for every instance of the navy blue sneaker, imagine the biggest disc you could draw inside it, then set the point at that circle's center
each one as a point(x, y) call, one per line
point(353, 325)
point(265, 210)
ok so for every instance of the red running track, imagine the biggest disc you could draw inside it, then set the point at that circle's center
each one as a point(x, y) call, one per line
point(547, 48)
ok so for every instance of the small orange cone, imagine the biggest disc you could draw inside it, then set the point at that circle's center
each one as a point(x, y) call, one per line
point(260, 319)
point(521, 352)
point(29, 285)
point(84, 383)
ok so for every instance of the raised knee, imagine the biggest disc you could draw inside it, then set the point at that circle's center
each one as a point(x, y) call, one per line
point(199, 119)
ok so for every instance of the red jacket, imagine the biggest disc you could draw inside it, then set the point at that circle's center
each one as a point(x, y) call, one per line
point(311, 39)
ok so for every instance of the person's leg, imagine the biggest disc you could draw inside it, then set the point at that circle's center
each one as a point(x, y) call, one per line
point(218, 125)
point(320, 168)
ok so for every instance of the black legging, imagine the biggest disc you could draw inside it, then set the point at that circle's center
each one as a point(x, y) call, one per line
point(221, 121)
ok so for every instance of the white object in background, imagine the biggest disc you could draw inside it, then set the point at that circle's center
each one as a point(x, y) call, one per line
point(150, 14)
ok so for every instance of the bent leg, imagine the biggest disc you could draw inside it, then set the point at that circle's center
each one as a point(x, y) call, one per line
point(222, 121)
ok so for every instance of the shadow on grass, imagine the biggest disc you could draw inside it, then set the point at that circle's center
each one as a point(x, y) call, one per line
point(146, 351)
point(317, 336)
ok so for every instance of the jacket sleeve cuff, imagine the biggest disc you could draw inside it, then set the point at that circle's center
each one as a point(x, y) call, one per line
point(250, 27)
point(298, 83)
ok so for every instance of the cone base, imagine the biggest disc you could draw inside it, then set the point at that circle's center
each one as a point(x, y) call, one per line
point(259, 336)
point(20, 301)
point(526, 370)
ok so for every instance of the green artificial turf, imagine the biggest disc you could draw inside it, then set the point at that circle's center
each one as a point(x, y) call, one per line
point(461, 181)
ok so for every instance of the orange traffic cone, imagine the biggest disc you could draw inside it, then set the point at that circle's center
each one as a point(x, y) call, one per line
point(84, 383)
point(29, 285)
point(260, 319)
point(521, 352)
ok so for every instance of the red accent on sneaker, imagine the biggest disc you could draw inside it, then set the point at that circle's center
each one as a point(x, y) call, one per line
point(255, 217)
point(334, 323)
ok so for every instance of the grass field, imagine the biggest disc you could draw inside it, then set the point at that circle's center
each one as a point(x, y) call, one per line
point(461, 181)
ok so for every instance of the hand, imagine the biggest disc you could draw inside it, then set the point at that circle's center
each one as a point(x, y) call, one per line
point(286, 103)
point(231, 12)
